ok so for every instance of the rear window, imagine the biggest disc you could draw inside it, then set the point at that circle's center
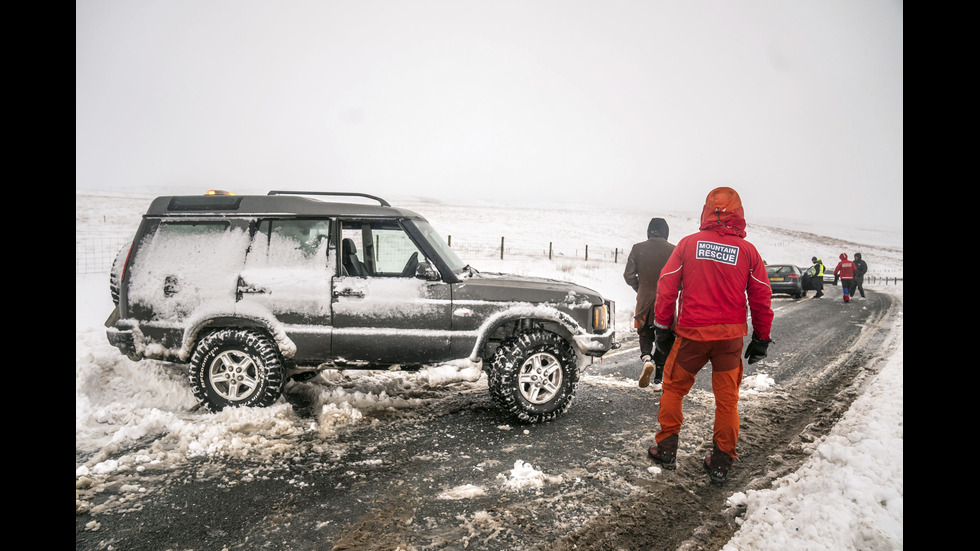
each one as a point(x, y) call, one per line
point(779, 270)
point(179, 266)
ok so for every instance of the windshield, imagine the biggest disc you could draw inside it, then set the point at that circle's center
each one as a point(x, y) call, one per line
point(439, 244)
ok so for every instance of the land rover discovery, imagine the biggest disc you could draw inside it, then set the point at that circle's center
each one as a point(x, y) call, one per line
point(251, 290)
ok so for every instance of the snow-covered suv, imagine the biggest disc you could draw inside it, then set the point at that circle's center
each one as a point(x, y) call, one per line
point(251, 290)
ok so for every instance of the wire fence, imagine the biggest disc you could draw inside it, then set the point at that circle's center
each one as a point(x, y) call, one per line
point(884, 280)
point(507, 248)
point(95, 251)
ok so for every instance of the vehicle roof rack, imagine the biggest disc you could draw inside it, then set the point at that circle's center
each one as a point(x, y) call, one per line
point(350, 194)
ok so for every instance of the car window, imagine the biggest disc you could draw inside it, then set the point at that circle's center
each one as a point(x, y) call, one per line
point(179, 265)
point(292, 243)
point(378, 248)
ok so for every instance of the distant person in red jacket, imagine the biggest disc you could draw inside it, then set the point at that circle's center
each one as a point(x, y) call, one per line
point(845, 273)
point(711, 275)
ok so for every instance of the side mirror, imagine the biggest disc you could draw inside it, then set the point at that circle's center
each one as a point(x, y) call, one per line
point(427, 272)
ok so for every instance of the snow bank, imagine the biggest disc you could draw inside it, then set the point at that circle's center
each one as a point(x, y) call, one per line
point(850, 493)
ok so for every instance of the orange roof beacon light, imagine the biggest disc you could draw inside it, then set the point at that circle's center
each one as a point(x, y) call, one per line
point(218, 192)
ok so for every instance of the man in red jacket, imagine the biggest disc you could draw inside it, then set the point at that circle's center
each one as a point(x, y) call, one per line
point(845, 272)
point(710, 274)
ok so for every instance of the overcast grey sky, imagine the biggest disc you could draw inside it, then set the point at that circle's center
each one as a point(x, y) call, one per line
point(798, 105)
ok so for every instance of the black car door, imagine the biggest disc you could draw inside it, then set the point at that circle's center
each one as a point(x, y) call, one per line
point(382, 312)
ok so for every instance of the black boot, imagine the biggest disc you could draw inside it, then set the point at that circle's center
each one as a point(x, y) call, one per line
point(665, 452)
point(718, 464)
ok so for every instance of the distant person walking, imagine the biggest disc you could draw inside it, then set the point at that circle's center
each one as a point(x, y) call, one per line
point(712, 274)
point(844, 272)
point(860, 268)
point(643, 266)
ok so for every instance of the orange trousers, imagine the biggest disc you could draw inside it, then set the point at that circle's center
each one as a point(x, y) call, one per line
point(685, 360)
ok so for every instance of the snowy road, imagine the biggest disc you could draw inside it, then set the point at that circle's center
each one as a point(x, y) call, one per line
point(455, 473)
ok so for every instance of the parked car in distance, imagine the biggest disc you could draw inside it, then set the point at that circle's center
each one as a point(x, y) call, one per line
point(785, 278)
point(252, 290)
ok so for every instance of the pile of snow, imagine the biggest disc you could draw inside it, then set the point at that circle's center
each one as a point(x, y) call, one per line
point(524, 475)
point(757, 383)
point(452, 372)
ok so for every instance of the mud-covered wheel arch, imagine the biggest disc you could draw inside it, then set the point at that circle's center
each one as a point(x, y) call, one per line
point(509, 329)
point(236, 367)
point(532, 376)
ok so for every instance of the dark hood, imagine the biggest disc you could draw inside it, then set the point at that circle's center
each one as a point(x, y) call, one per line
point(658, 228)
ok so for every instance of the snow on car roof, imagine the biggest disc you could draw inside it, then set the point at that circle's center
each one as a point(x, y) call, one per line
point(232, 205)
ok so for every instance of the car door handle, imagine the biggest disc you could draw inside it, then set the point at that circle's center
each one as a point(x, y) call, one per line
point(248, 288)
point(348, 293)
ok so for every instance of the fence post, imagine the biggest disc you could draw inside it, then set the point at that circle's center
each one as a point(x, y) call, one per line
point(450, 241)
point(501, 247)
point(586, 253)
point(549, 250)
point(616, 255)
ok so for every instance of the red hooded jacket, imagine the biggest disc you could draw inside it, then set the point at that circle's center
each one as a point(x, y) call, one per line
point(845, 268)
point(710, 274)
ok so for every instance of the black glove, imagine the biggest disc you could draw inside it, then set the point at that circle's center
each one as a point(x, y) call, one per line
point(663, 340)
point(756, 350)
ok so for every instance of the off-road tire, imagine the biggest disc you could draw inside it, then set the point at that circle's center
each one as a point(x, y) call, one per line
point(236, 367)
point(115, 273)
point(513, 370)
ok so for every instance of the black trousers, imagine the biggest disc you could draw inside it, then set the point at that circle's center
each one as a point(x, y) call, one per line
point(858, 284)
point(646, 340)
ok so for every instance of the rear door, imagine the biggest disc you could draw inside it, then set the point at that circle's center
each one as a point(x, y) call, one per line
point(382, 312)
point(287, 280)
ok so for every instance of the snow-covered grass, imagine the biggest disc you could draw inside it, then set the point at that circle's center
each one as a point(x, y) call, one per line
point(848, 495)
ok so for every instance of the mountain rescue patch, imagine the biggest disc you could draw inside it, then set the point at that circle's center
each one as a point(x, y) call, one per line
point(725, 254)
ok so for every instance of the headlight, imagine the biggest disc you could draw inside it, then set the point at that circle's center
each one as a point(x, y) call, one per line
point(600, 317)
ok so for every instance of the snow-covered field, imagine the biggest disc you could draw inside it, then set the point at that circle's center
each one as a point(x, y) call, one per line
point(849, 495)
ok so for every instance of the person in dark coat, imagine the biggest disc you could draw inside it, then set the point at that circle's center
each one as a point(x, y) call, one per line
point(643, 266)
point(860, 268)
